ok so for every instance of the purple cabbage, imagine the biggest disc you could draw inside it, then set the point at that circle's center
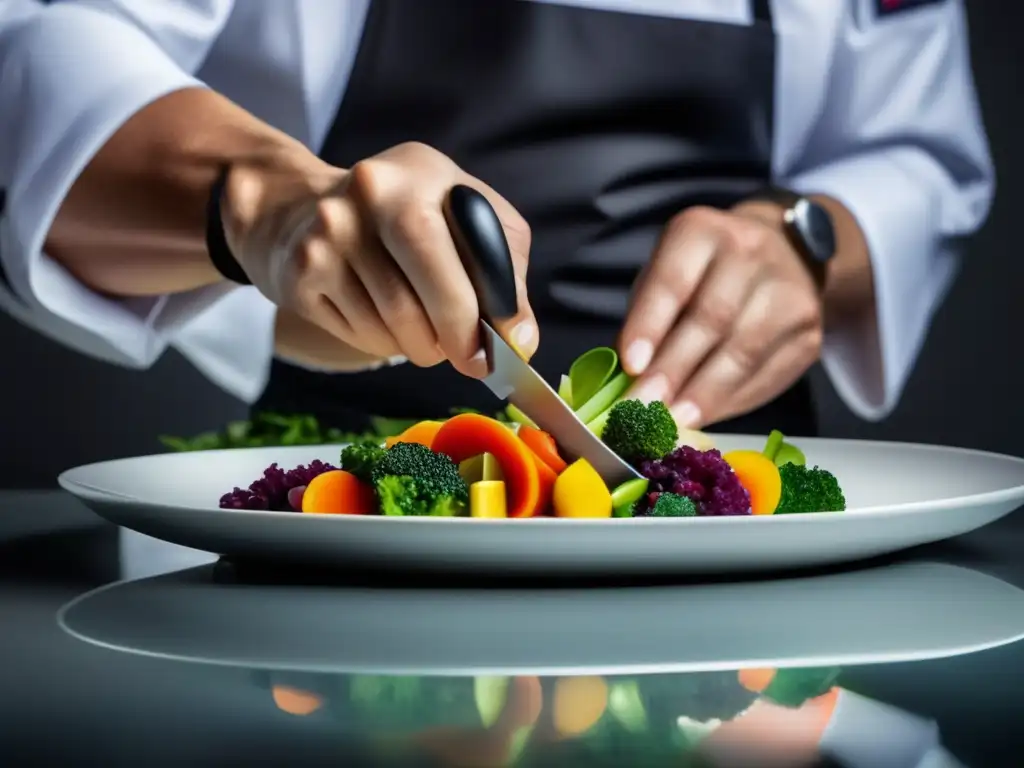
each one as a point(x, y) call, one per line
point(703, 476)
point(271, 492)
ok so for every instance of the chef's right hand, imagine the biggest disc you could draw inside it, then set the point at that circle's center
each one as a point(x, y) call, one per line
point(366, 253)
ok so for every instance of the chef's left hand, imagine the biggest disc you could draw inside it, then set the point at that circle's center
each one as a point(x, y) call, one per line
point(724, 318)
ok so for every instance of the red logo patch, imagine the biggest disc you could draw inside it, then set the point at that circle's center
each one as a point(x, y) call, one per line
point(887, 7)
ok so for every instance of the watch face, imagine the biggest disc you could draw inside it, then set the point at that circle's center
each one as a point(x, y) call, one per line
point(814, 224)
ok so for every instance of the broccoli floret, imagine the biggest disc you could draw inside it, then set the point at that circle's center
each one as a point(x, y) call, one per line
point(673, 505)
point(809, 489)
point(413, 480)
point(404, 496)
point(637, 432)
point(360, 458)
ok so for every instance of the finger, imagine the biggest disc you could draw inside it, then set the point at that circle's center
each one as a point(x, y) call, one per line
point(779, 372)
point(411, 227)
point(335, 298)
point(761, 329)
point(396, 302)
point(522, 330)
point(665, 287)
point(708, 321)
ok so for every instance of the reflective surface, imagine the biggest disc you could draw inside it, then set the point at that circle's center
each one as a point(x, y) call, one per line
point(911, 662)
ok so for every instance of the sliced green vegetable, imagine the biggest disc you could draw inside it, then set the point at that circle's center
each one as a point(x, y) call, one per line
point(480, 469)
point(591, 371)
point(626, 705)
point(630, 491)
point(771, 448)
point(781, 452)
point(605, 398)
point(490, 693)
point(597, 425)
point(517, 416)
point(565, 390)
point(790, 454)
point(518, 744)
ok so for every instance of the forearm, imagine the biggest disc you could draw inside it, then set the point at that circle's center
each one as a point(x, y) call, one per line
point(133, 223)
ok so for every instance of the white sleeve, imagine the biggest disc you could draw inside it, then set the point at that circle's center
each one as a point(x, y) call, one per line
point(864, 733)
point(73, 73)
point(901, 144)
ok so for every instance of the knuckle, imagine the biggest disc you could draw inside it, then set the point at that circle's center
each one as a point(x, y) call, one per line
point(328, 216)
point(311, 259)
point(416, 222)
point(807, 312)
point(746, 355)
point(366, 180)
point(748, 238)
point(716, 316)
point(811, 343)
point(416, 148)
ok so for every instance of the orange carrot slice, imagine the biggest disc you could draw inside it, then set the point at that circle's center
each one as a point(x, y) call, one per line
point(470, 434)
point(339, 493)
point(542, 444)
point(756, 680)
point(422, 432)
point(759, 475)
point(295, 701)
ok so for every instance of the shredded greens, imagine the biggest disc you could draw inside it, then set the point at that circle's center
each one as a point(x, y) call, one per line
point(268, 429)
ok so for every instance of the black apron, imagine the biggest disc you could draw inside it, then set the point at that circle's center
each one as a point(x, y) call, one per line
point(598, 126)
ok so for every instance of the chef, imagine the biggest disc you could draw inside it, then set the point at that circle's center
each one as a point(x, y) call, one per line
point(727, 191)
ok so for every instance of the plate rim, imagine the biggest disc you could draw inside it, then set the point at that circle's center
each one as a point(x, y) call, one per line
point(80, 489)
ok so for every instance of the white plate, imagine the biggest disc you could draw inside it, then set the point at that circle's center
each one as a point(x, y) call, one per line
point(898, 496)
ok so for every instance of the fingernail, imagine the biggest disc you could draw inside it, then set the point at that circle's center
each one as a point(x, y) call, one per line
point(478, 364)
point(522, 334)
point(655, 388)
point(686, 414)
point(397, 360)
point(638, 356)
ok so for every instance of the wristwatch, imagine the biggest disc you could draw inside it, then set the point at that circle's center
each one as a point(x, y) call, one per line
point(809, 227)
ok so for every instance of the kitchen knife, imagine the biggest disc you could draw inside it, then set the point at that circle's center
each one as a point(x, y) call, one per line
point(480, 241)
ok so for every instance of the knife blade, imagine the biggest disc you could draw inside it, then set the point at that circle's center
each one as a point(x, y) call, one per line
point(513, 379)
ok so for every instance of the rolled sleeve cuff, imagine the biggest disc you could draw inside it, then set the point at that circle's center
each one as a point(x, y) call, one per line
point(77, 75)
point(232, 342)
point(864, 733)
point(869, 362)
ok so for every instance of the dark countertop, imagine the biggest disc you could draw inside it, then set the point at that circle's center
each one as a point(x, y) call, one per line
point(181, 664)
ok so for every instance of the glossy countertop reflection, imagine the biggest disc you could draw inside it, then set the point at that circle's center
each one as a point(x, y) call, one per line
point(121, 650)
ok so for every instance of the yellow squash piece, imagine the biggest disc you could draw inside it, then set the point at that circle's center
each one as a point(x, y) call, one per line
point(487, 499)
point(579, 702)
point(759, 475)
point(580, 492)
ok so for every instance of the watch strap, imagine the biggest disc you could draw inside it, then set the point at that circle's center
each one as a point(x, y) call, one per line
point(217, 247)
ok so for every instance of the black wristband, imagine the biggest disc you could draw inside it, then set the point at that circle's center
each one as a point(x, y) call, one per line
point(216, 243)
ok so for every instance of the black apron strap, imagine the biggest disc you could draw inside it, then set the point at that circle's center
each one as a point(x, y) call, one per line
point(763, 11)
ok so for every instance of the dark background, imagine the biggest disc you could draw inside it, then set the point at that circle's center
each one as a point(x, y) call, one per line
point(63, 409)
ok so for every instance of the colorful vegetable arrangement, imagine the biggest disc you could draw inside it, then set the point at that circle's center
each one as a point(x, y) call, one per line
point(477, 466)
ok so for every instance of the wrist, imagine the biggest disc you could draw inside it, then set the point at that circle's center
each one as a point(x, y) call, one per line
point(777, 216)
point(251, 191)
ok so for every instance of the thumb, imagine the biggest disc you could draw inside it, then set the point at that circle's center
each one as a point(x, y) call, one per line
point(521, 331)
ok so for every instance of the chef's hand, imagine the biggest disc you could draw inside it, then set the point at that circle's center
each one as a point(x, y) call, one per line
point(725, 316)
point(365, 253)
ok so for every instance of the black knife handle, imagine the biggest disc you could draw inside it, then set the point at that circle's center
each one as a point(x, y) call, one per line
point(480, 241)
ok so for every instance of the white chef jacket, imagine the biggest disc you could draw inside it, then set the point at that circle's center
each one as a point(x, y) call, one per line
point(879, 112)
